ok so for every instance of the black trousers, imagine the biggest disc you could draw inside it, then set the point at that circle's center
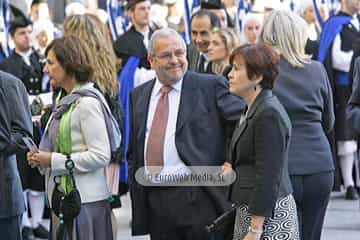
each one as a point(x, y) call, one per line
point(10, 228)
point(179, 213)
point(312, 193)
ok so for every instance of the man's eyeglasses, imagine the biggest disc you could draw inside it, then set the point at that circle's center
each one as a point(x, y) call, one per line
point(168, 55)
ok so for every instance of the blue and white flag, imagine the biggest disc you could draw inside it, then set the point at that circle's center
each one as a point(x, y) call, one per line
point(317, 13)
point(241, 11)
point(111, 7)
point(292, 5)
point(195, 5)
point(5, 47)
point(117, 22)
point(187, 17)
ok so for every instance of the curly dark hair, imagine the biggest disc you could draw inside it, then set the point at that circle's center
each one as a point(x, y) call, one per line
point(260, 60)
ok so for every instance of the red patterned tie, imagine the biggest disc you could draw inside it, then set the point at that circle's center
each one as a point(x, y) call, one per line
point(155, 144)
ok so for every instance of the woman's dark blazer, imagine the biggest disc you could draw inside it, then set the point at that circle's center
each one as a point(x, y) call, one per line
point(305, 93)
point(259, 156)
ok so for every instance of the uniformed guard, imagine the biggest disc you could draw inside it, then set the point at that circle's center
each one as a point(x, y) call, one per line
point(336, 50)
point(23, 62)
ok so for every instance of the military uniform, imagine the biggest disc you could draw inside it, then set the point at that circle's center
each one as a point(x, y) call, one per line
point(31, 76)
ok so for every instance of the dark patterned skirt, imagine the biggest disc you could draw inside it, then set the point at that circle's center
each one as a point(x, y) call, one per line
point(282, 226)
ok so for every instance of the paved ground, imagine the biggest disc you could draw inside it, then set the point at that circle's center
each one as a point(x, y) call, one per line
point(342, 220)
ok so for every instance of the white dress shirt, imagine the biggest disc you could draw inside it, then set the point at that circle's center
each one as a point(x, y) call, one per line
point(26, 56)
point(146, 38)
point(172, 162)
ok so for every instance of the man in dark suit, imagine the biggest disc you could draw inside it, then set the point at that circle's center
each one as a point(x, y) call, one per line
point(178, 120)
point(15, 123)
point(24, 63)
point(218, 7)
point(201, 24)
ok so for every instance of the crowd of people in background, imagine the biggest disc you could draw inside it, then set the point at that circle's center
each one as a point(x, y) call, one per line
point(270, 94)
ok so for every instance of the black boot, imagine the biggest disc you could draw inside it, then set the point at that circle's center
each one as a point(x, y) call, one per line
point(351, 193)
point(41, 232)
point(27, 233)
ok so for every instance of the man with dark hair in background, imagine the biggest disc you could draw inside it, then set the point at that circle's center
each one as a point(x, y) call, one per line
point(218, 7)
point(39, 9)
point(201, 24)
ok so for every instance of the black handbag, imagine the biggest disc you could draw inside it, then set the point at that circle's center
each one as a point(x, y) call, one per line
point(66, 206)
point(224, 224)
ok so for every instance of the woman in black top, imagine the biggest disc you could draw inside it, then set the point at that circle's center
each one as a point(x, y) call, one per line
point(259, 150)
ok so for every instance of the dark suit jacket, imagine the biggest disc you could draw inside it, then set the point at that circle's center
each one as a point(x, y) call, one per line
point(131, 43)
point(31, 76)
point(205, 107)
point(312, 48)
point(15, 123)
point(193, 57)
point(259, 156)
point(353, 107)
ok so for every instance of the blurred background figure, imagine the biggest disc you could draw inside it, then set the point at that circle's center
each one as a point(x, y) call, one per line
point(222, 43)
point(158, 14)
point(39, 9)
point(305, 9)
point(75, 8)
point(217, 7)
point(42, 35)
point(201, 24)
point(269, 6)
point(251, 28)
point(324, 12)
point(102, 15)
point(173, 16)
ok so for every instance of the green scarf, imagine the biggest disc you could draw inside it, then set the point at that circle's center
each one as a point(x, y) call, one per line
point(64, 144)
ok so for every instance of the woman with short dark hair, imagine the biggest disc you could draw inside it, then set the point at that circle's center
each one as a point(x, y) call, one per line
point(258, 150)
point(70, 134)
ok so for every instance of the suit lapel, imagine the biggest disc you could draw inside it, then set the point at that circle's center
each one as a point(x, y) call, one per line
point(240, 129)
point(187, 100)
point(238, 132)
point(141, 114)
point(236, 136)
